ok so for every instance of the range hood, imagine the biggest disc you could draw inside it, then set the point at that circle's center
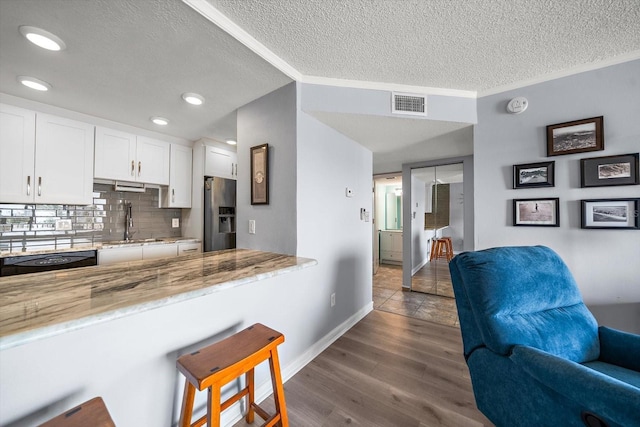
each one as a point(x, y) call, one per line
point(133, 187)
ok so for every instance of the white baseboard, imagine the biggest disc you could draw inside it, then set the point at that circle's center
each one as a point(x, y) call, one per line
point(233, 414)
point(422, 264)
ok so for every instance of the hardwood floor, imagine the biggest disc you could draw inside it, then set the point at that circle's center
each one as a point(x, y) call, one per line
point(388, 370)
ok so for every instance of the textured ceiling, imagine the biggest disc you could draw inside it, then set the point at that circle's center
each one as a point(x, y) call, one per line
point(474, 45)
point(127, 60)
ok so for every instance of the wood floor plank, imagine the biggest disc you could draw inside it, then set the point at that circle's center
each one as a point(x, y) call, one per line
point(386, 371)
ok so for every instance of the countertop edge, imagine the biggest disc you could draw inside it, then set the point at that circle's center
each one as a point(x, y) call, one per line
point(26, 337)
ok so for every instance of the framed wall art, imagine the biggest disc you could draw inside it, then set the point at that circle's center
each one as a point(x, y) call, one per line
point(260, 174)
point(609, 170)
point(534, 175)
point(578, 136)
point(537, 212)
point(611, 214)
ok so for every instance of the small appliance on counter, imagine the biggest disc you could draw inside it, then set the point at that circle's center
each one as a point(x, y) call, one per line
point(23, 264)
point(219, 213)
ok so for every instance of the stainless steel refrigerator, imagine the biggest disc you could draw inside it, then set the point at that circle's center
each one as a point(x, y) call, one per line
point(219, 213)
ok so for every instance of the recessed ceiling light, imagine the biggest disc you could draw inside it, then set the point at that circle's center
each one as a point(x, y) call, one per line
point(231, 142)
point(33, 83)
point(42, 38)
point(193, 98)
point(159, 120)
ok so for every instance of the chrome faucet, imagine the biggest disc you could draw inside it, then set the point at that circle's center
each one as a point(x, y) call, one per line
point(128, 222)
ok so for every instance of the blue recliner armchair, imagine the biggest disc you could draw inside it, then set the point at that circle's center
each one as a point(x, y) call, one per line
point(535, 353)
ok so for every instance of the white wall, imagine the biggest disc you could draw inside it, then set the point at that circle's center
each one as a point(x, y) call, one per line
point(329, 226)
point(605, 263)
point(456, 217)
point(419, 236)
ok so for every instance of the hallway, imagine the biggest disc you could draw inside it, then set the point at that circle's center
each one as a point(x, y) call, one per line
point(388, 296)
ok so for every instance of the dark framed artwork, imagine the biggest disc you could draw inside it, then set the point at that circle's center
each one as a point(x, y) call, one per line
point(534, 175)
point(611, 214)
point(578, 136)
point(260, 174)
point(609, 170)
point(537, 212)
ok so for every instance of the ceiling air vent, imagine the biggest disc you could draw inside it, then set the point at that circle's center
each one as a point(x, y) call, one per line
point(409, 104)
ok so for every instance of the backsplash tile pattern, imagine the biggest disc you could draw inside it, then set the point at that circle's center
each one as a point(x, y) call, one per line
point(33, 227)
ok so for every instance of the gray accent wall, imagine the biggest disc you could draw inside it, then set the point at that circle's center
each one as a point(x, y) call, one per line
point(271, 120)
point(605, 263)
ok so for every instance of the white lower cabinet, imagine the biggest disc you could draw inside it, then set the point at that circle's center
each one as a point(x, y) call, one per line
point(189, 248)
point(391, 247)
point(109, 256)
point(160, 251)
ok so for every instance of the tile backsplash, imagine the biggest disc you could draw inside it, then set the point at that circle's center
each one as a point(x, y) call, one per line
point(39, 227)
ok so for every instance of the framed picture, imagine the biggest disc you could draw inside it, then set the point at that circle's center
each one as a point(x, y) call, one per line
point(611, 214)
point(537, 212)
point(575, 137)
point(609, 170)
point(533, 175)
point(260, 174)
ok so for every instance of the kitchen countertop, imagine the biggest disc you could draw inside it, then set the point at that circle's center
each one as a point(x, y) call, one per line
point(39, 305)
point(106, 245)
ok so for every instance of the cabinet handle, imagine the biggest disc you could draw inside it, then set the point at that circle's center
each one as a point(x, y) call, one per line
point(139, 168)
point(28, 185)
point(231, 169)
point(173, 195)
point(189, 250)
point(133, 167)
point(236, 165)
point(39, 186)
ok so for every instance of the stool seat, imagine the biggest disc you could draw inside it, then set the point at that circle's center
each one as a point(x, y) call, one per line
point(441, 248)
point(92, 413)
point(214, 366)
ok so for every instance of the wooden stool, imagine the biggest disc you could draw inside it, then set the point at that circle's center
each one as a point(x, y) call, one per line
point(441, 248)
point(90, 413)
point(214, 366)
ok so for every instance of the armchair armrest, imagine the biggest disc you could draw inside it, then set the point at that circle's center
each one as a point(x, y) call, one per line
point(619, 348)
point(607, 397)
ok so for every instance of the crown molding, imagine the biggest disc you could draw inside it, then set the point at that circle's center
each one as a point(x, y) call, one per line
point(205, 9)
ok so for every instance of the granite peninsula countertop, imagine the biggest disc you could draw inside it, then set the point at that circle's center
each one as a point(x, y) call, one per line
point(40, 305)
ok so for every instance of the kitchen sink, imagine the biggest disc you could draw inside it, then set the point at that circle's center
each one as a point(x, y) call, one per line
point(133, 241)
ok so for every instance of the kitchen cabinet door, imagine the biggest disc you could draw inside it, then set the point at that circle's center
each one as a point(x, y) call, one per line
point(115, 255)
point(221, 163)
point(180, 166)
point(17, 150)
point(152, 164)
point(168, 250)
point(189, 248)
point(63, 161)
point(115, 156)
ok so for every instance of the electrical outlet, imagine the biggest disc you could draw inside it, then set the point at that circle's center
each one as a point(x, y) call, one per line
point(175, 222)
point(252, 226)
point(333, 299)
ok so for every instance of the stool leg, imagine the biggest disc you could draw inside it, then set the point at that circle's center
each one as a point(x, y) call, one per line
point(187, 404)
point(433, 249)
point(278, 388)
point(251, 396)
point(213, 403)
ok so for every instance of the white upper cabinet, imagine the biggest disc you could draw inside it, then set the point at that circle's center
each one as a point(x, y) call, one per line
point(123, 156)
point(17, 154)
point(153, 161)
point(44, 158)
point(179, 194)
point(221, 163)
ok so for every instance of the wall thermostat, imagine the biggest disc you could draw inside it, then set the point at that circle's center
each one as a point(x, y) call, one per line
point(517, 105)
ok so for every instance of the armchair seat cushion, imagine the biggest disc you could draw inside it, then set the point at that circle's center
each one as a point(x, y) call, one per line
point(623, 374)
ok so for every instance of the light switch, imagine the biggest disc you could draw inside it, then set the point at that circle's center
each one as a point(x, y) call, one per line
point(252, 226)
